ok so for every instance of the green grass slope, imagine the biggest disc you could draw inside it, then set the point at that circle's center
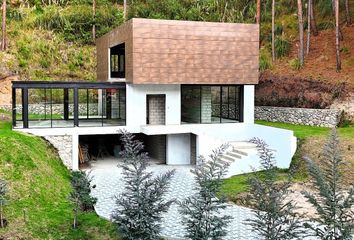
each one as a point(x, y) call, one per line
point(39, 186)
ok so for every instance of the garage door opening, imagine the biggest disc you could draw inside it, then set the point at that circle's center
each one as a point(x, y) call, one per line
point(104, 150)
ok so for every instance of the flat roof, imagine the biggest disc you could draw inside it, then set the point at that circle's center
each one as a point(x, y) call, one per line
point(66, 84)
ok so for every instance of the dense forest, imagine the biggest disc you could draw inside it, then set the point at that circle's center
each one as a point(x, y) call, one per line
point(54, 39)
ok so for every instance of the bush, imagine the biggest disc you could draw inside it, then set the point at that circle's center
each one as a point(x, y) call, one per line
point(265, 60)
point(75, 22)
point(3, 201)
point(274, 216)
point(295, 64)
point(139, 207)
point(202, 212)
point(325, 25)
point(282, 47)
point(81, 183)
point(332, 200)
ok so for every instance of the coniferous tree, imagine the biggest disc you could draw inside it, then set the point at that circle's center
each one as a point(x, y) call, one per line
point(81, 194)
point(274, 217)
point(3, 200)
point(202, 212)
point(140, 207)
point(334, 205)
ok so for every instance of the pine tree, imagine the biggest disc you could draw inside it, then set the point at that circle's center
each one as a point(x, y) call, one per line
point(3, 200)
point(80, 196)
point(274, 217)
point(202, 212)
point(140, 207)
point(334, 205)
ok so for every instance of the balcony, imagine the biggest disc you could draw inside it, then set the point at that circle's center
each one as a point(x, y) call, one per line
point(42, 104)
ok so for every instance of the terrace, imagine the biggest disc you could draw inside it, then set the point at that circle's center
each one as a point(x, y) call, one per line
point(43, 104)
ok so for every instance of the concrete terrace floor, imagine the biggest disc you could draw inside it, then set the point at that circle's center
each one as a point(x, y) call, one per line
point(108, 180)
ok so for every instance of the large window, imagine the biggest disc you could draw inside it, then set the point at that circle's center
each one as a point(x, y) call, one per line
point(117, 60)
point(211, 103)
point(64, 104)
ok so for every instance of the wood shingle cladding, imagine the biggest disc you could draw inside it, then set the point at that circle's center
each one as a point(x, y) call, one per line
point(183, 52)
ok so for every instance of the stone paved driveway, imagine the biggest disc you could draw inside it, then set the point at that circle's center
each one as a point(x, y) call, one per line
point(108, 180)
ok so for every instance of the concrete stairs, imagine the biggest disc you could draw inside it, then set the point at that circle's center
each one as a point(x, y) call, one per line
point(241, 156)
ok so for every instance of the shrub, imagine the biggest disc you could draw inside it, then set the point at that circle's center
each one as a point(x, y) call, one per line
point(81, 183)
point(201, 212)
point(325, 25)
point(3, 200)
point(75, 22)
point(282, 47)
point(265, 59)
point(80, 195)
point(44, 62)
point(295, 64)
point(274, 215)
point(139, 207)
point(332, 202)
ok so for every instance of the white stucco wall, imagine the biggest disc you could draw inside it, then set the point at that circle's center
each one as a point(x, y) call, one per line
point(178, 149)
point(248, 107)
point(136, 103)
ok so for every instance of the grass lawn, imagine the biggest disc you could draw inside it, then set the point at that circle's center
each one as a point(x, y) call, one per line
point(39, 186)
point(311, 140)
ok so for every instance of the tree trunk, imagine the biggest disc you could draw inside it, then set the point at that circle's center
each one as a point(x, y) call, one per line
point(338, 60)
point(3, 40)
point(1, 217)
point(94, 19)
point(258, 15)
point(301, 32)
point(334, 15)
point(309, 6)
point(313, 20)
point(347, 13)
point(125, 10)
point(273, 30)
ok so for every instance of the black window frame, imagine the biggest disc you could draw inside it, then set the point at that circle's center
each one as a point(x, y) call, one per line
point(221, 86)
point(117, 51)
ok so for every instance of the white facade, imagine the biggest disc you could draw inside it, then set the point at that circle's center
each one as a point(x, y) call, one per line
point(178, 135)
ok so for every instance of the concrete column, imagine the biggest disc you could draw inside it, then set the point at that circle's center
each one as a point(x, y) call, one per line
point(75, 152)
point(248, 101)
point(206, 104)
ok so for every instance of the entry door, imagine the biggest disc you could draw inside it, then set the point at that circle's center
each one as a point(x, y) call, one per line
point(156, 109)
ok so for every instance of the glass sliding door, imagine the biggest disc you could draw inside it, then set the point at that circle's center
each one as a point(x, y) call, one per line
point(211, 103)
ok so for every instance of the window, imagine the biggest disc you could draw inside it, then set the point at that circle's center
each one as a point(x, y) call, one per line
point(117, 59)
point(211, 104)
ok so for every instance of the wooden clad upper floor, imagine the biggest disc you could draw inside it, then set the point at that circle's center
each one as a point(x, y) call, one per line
point(182, 52)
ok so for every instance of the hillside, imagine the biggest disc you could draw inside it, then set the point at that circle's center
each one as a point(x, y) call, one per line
point(39, 186)
point(52, 40)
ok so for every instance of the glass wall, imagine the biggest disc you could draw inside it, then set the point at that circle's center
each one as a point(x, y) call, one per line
point(211, 103)
point(191, 104)
point(36, 107)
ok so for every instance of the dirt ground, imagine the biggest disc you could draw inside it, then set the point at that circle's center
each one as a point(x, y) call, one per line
point(320, 64)
point(313, 148)
point(5, 89)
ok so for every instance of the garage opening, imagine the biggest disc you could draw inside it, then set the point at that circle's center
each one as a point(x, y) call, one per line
point(104, 150)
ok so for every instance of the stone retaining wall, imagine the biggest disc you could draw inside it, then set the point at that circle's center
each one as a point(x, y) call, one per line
point(64, 146)
point(304, 116)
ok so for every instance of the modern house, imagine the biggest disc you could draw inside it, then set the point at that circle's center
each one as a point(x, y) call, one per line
point(183, 87)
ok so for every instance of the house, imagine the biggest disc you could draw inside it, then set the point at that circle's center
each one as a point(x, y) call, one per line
point(183, 87)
